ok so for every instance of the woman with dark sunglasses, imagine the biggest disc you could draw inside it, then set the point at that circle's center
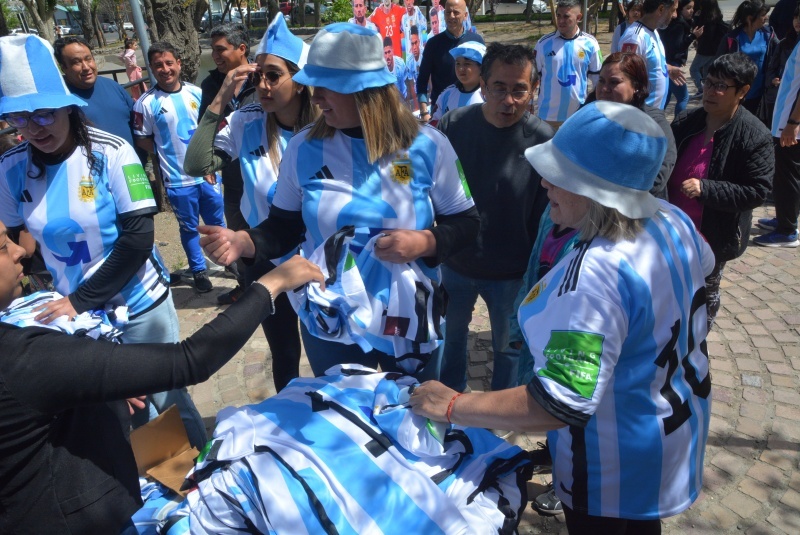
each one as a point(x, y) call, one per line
point(256, 135)
point(83, 195)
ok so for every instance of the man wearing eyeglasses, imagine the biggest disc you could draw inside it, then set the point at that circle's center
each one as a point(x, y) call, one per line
point(230, 48)
point(490, 140)
point(437, 65)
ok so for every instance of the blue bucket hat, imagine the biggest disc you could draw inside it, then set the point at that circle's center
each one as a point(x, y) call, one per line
point(471, 50)
point(345, 58)
point(29, 77)
point(279, 41)
point(617, 173)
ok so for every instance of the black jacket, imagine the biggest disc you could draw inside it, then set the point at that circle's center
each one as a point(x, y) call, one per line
point(739, 177)
point(676, 38)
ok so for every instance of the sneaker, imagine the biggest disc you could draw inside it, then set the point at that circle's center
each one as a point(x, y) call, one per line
point(229, 298)
point(768, 224)
point(776, 239)
point(201, 282)
point(696, 96)
point(176, 278)
point(548, 503)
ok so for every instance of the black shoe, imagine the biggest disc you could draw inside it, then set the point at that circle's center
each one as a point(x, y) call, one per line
point(201, 282)
point(176, 278)
point(229, 298)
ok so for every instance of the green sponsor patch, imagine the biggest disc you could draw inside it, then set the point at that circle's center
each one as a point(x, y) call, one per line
point(138, 183)
point(573, 360)
point(463, 178)
point(349, 262)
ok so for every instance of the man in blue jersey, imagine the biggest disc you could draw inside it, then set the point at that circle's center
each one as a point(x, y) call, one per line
point(490, 140)
point(642, 38)
point(165, 118)
point(566, 59)
point(397, 67)
point(617, 331)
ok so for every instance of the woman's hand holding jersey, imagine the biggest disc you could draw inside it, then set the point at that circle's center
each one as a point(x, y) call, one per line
point(401, 246)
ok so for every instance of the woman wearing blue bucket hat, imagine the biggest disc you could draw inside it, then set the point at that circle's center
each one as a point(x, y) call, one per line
point(366, 163)
point(617, 331)
point(257, 135)
point(83, 195)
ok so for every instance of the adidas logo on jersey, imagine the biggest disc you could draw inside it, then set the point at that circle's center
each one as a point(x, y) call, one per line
point(552, 53)
point(260, 151)
point(323, 174)
point(162, 111)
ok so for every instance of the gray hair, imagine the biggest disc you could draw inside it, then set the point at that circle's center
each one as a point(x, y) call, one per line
point(607, 223)
point(235, 33)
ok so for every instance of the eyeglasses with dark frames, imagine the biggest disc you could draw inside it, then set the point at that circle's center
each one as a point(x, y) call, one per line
point(42, 118)
point(272, 77)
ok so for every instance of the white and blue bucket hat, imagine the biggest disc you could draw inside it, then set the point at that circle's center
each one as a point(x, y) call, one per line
point(29, 76)
point(345, 58)
point(279, 41)
point(471, 50)
point(617, 173)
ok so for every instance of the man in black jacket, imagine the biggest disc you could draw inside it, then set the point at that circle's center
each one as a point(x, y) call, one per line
point(230, 48)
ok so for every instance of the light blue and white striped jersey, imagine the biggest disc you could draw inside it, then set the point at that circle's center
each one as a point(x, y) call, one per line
point(75, 214)
point(617, 35)
point(334, 185)
point(787, 93)
point(96, 324)
point(412, 68)
point(170, 119)
point(397, 308)
point(245, 137)
point(639, 39)
point(401, 76)
point(368, 24)
point(565, 66)
point(343, 454)
point(452, 98)
point(617, 332)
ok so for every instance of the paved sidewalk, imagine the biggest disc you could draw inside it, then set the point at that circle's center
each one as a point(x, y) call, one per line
point(752, 474)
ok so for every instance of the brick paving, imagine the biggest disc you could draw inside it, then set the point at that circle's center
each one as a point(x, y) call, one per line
point(752, 467)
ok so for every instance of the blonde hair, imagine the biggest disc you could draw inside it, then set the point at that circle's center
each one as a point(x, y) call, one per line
point(388, 125)
point(308, 114)
point(607, 223)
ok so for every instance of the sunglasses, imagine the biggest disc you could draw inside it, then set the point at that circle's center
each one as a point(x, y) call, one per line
point(42, 118)
point(272, 77)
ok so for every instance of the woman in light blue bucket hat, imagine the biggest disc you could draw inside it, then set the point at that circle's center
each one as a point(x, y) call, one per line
point(366, 163)
point(84, 197)
point(617, 330)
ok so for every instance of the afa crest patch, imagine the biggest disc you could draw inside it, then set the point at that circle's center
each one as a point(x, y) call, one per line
point(402, 172)
point(534, 293)
point(86, 191)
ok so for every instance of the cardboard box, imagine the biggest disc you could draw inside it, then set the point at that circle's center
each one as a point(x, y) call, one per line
point(162, 450)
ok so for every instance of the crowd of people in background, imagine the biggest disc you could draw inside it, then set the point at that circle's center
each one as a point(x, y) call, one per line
point(414, 168)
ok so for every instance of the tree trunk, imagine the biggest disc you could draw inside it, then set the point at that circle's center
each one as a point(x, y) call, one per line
point(3, 22)
point(41, 11)
point(98, 29)
point(87, 25)
point(151, 22)
point(174, 23)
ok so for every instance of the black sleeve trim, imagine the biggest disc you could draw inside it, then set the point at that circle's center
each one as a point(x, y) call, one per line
point(556, 408)
point(131, 250)
point(140, 212)
point(454, 232)
point(282, 231)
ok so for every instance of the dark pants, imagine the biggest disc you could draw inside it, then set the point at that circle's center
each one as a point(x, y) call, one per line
point(281, 331)
point(786, 187)
point(582, 524)
point(712, 292)
point(232, 191)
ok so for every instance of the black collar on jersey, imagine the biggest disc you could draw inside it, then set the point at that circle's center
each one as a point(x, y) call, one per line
point(356, 132)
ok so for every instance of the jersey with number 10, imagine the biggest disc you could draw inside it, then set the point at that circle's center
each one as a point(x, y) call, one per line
point(170, 119)
point(617, 332)
point(639, 39)
point(334, 185)
point(75, 214)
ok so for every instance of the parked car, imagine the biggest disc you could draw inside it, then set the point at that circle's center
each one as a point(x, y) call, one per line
point(537, 6)
point(112, 27)
point(216, 18)
point(309, 11)
point(258, 17)
point(16, 31)
point(74, 30)
point(127, 26)
point(285, 7)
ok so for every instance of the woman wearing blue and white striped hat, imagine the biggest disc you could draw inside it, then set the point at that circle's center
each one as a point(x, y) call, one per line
point(84, 197)
point(369, 164)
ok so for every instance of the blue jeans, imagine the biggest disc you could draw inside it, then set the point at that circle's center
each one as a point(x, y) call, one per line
point(699, 68)
point(322, 354)
point(462, 294)
point(160, 325)
point(189, 204)
point(681, 93)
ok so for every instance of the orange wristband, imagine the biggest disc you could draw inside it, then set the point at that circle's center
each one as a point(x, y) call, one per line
point(450, 406)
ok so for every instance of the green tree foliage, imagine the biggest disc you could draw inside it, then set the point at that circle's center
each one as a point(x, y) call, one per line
point(340, 11)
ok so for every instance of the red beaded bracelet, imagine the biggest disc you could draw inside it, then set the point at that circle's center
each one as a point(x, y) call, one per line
point(450, 406)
